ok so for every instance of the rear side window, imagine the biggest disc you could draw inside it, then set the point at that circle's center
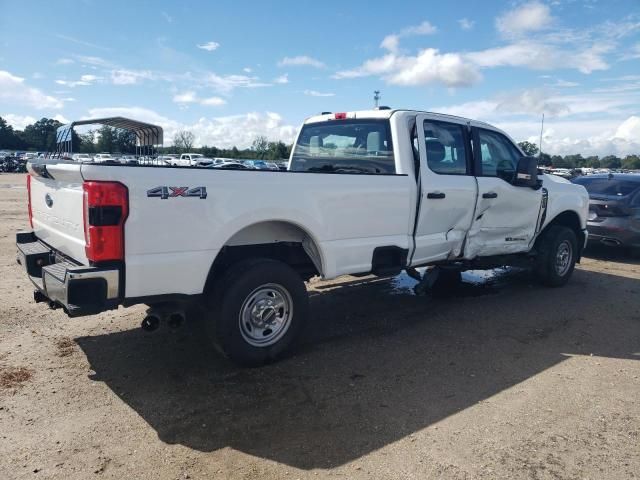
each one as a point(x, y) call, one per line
point(345, 146)
point(613, 187)
point(446, 148)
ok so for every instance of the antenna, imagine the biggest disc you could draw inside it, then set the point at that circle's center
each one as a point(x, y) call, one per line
point(376, 97)
point(540, 144)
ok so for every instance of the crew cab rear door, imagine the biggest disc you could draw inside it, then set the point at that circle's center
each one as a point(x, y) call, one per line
point(448, 188)
point(506, 216)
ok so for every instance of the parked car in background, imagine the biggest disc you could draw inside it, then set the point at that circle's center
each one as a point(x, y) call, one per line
point(231, 166)
point(614, 209)
point(128, 159)
point(192, 160)
point(103, 157)
point(81, 157)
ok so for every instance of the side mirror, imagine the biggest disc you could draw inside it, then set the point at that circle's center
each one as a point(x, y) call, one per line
point(527, 173)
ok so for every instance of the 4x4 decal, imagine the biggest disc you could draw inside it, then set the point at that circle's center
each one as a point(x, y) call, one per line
point(171, 192)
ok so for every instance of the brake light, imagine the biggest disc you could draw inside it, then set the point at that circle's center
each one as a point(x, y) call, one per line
point(106, 207)
point(340, 116)
point(29, 200)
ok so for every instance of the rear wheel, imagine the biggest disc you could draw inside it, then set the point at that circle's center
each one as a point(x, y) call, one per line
point(558, 251)
point(256, 311)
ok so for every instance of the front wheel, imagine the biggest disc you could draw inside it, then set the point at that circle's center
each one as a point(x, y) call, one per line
point(558, 251)
point(258, 308)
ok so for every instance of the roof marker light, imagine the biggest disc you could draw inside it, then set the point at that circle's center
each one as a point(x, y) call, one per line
point(340, 116)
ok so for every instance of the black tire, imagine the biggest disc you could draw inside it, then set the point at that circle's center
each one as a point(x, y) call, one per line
point(241, 283)
point(550, 268)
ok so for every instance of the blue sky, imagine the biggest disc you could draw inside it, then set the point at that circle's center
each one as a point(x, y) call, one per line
point(230, 70)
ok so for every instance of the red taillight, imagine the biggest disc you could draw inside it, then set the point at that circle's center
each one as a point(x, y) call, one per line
point(106, 206)
point(29, 200)
point(340, 116)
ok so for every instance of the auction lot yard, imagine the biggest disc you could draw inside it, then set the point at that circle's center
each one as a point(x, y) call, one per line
point(502, 379)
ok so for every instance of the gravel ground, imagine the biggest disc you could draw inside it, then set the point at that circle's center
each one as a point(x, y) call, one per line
point(502, 379)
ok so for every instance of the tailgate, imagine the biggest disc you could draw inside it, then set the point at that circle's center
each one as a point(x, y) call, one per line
point(57, 205)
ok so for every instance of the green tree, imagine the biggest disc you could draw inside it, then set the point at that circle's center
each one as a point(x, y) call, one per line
point(260, 146)
point(574, 161)
point(529, 149)
point(592, 162)
point(277, 151)
point(41, 135)
point(183, 140)
point(8, 137)
point(631, 162)
point(611, 161)
point(107, 139)
point(545, 160)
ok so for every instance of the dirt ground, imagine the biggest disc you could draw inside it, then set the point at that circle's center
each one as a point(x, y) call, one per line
point(502, 379)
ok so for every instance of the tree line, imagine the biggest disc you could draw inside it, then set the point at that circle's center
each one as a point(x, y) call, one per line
point(630, 162)
point(41, 136)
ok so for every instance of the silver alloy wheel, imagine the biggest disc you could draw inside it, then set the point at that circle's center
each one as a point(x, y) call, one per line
point(564, 256)
point(265, 315)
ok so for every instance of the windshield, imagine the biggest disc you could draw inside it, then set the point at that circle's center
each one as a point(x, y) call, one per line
point(613, 187)
point(349, 146)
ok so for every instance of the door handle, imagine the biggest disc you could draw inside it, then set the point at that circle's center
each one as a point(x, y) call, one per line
point(490, 195)
point(436, 195)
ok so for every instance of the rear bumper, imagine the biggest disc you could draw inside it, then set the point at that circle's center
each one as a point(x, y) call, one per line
point(78, 289)
point(615, 231)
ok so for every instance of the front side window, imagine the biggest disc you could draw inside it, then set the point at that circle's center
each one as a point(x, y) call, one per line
point(446, 148)
point(498, 156)
point(344, 146)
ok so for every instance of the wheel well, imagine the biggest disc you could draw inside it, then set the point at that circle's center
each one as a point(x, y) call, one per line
point(571, 220)
point(277, 240)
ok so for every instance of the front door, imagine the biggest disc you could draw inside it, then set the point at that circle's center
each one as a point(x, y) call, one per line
point(506, 216)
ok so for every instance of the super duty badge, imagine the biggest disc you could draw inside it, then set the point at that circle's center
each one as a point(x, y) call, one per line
point(171, 192)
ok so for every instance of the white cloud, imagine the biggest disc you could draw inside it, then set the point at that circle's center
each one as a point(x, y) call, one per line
point(282, 79)
point(247, 70)
point(85, 80)
point(629, 129)
point(191, 97)
point(315, 93)
point(129, 77)
point(209, 46)
point(227, 83)
point(60, 118)
point(392, 42)
point(167, 17)
point(466, 24)
point(185, 97)
point(213, 101)
point(223, 132)
point(14, 91)
point(64, 61)
point(425, 28)
point(529, 17)
point(543, 56)
point(301, 60)
point(429, 66)
point(18, 122)
point(94, 61)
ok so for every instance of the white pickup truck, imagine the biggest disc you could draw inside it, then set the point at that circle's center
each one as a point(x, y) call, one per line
point(366, 192)
point(192, 160)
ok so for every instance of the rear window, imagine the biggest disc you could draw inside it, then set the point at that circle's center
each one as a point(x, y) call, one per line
point(345, 146)
point(613, 187)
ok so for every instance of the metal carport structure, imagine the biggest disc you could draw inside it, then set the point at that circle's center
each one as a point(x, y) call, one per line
point(148, 136)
